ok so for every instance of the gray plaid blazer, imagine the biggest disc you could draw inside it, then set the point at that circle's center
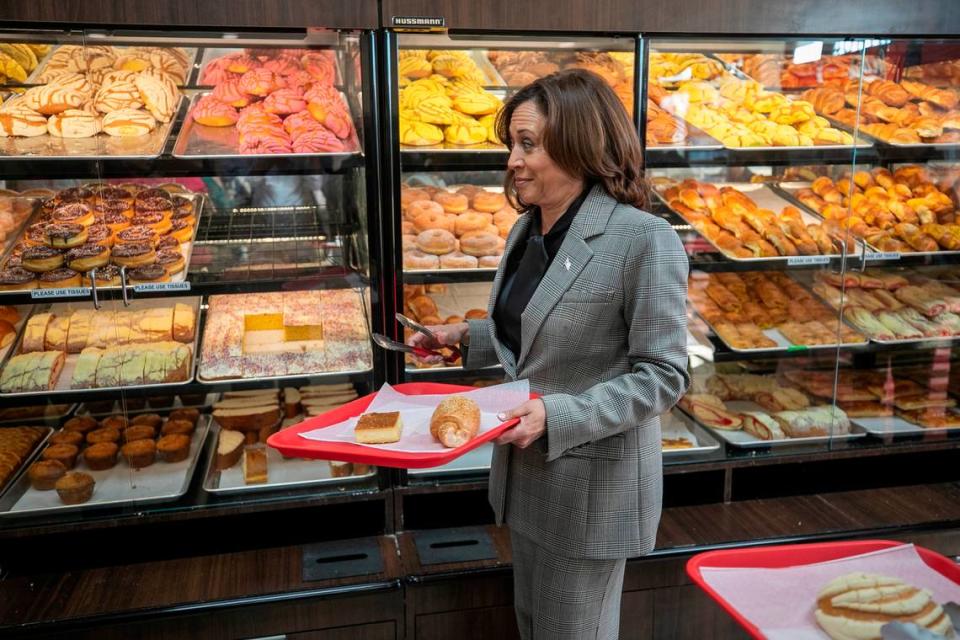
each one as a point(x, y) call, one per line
point(603, 339)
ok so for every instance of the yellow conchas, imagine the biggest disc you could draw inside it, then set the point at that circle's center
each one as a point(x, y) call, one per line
point(414, 67)
point(829, 135)
point(490, 122)
point(699, 92)
point(466, 131)
point(811, 127)
point(765, 102)
point(453, 66)
point(434, 111)
point(12, 69)
point(477, 104)
point(23, 54)
point(412, 53)
point(40, 50)
point(462, 86)
point(433, 54)
point(793, 113)
point(421, 134)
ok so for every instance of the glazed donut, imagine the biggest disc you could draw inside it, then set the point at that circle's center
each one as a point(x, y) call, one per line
point(120, 207)
point(133, 254)
point(436, 242)
point(412, 195)
point(171, 260)
point(505, 216)
point(488, 262)
point(423, 306)
point(110, 194)
point(471, 221)
point(407, 227)
point(147, 273)
point(182, 230)
point(475, 314)
point(469, 190)
point(457, 260)
point(65, 235)
point(417, 207)
point(75, 194)
point(163, 206)
point(430, 320)
point(41, 258)
point(168, 242)
point(489, 201)
point(479, 243)
point(36, 234)
point(137, 235)
point(17, 278)
point(428, 221)
point(452, 202)
point(88, 256)
point(59, 278)
point(113, 220)
point(100, 234)
point(106, 276)
point(492, 229)
point(417, 259)
point(153, 220)
point(409, 242)
point(453, 320)
point(73, 212)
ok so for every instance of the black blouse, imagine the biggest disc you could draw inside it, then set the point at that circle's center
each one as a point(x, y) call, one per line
point(525, 268)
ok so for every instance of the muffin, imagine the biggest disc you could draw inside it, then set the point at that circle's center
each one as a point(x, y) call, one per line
point(185, 414)
point(100, 456)
point(103, 435)
point(75, 487)
point(151, 419)
point(45, 473)
point(139, 432)
point(184, 427)
point(140, 453)
point(174, 447)
point(83, 424)
point(115, 422)
point(67, 437)
point(65, 454)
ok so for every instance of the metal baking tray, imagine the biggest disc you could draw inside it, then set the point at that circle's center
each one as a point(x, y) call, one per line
point(200, 141)
point(449, 147)
point(440, 272)
point(474, 461)
point(191, 60)
point(766, 198)
point(893, 426)
point(282, 473)
point(789, 190)
point(676, 424)
point(63, 383)
point(53, 418)
point(212, 53)
point(186, 248)
point(41, 64)
point(27, 461)
point(742, 439)
point(696, 140)
point(98, 147)
point(117, 487)
point(208, 401)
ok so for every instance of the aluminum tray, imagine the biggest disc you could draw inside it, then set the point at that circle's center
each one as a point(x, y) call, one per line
point(211, 53)
point(98, 147)
point(185, 247)
point(742, 439)
point(675, 424)
point(51, 419)
point(766, 198)
point(177, 404)
point(893, 426)
point(116, 487)
point(66, 374)
point(191, 60)
point(789, 190)
point(282, 473)
point(449, 147)
point(696, 140)
point(199, 141)
point(37, 448)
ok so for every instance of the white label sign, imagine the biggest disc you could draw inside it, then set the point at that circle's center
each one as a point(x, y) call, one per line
point(161, 286)
point(67, 292)
point(798, 261)
point(882, 255)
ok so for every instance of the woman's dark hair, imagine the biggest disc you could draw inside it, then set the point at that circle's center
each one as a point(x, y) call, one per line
point(588, 134)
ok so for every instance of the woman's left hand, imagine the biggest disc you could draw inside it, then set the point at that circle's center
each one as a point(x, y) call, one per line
point(533, 423)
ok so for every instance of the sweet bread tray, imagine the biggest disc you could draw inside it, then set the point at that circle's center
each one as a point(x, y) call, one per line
point(178, 403)
point(282, 473)
point(63, 385)
point(99, 147)
point(186, 249)
point(37, 448)
point(212, 53)
point(41, 67)
point(205, 142)
point(290, 443)
point(57, 413)
point(116, 487)
point(695, 140)
point(766, 198)
point(894, 426)
point(676, 424)
point(790, 189)
point(742, 439)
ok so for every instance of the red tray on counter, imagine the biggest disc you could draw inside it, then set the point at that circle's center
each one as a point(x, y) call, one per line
point(289, 443)
point(791, 555)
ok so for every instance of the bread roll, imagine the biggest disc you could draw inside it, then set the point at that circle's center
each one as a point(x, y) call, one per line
point(455, 421)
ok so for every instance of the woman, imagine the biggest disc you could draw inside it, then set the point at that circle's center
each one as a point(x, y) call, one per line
point(588, 305)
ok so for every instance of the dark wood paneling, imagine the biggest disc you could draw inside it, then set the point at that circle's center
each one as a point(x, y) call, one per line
point(636, 615)
point(378, 631)
point(266, 14)
point(686, 613)
point(494, 622)
point(745, 17)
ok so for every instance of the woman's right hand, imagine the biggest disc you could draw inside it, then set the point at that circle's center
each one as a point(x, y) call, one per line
point(446, 335)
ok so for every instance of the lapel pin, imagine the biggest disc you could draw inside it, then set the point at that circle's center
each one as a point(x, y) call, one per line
point(566, 264)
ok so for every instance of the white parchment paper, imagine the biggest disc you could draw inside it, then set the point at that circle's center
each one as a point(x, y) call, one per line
point(781, 602)
point(415, 412)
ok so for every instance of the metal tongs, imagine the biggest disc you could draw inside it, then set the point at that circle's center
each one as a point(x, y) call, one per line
point(910, 631)
point(392, 345)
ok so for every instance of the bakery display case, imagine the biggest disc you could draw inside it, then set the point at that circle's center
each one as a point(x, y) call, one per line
point(190, 262)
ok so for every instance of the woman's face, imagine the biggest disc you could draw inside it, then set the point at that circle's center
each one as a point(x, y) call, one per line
point(538, 179)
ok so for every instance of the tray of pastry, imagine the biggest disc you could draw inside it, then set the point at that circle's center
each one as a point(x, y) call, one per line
point(149, 404)
point(750, 222)
point(212, 129)
point(176, 62)
point(51, 414)
point(65, 348)
point(749, 410)
point(682, 438)
point(220, 64)
point(145, 462)
point(668, 132)
point(893, 307)
point(67, 242)
point(19, 446)
point(272, 336)
point(893, 212)
point(766, 312)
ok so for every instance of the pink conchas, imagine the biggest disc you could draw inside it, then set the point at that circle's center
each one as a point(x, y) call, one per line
point(212, 112)
point(300, 123)
point(320, 65)
point(326, 105)
point(282, 66)
point(258, 82)
point(318, 141)
point(229, 91)
point(284, 101)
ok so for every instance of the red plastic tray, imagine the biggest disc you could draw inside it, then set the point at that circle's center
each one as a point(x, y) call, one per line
point(289, 443)
point(791, 555)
